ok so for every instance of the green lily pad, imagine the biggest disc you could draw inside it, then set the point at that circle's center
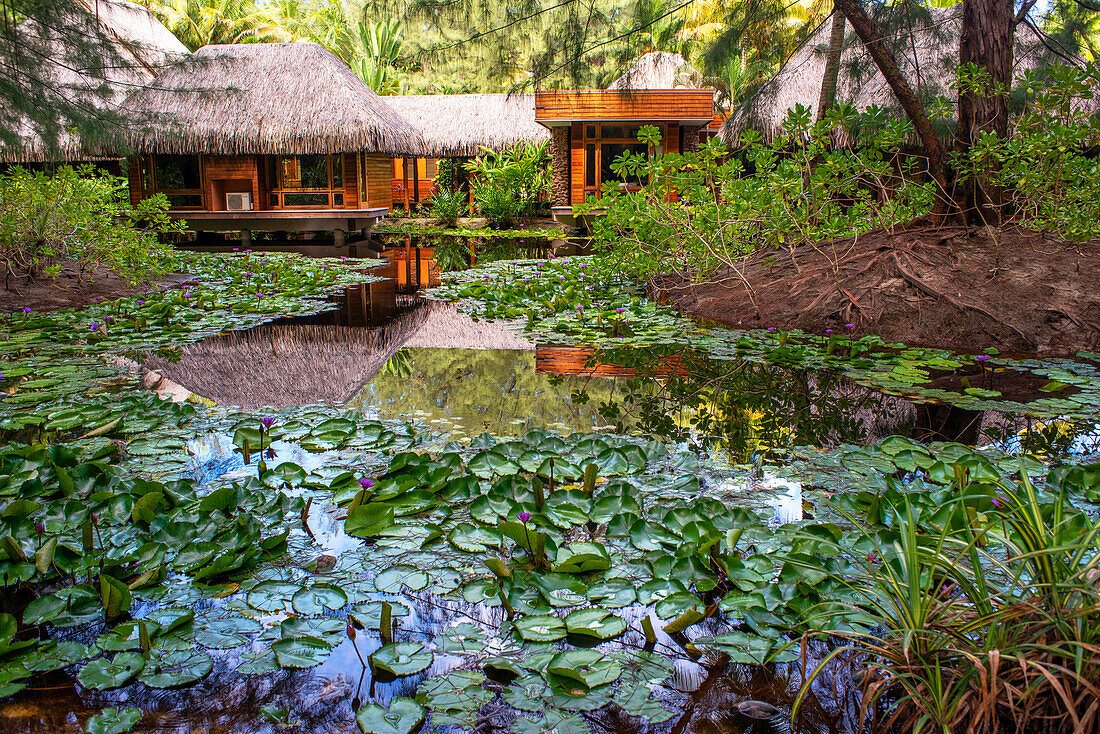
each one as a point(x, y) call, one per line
point(402, 717)
point(300, 652)
point(402, 658)
point(540, 628)
point(586, 667)
point(106, 673)
point(595, 622)
point(113, 721)
point(317, 598)
point(176, 668)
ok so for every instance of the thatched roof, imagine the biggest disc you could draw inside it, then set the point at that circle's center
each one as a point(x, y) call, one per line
point(135, 47)
point(265, 98)
point(445, 327)
point(928, 59)
point(659, 70)
point(456, 125)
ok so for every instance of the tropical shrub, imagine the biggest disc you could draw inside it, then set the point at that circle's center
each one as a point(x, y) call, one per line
point(703, 210)
point(84, 215)
point(510, 184)
point(450, 175)
point(1048, 165)
point(447, 206)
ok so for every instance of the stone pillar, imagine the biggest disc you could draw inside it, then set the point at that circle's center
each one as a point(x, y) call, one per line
point(691, 139)
point(559, 184)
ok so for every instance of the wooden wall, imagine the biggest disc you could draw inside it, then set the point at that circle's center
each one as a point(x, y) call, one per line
point(224, 174)
point(378, 172)
point(651, 105)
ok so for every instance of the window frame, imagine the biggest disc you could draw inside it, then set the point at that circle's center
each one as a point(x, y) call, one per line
point(276, 194)
point(597, 140)
point(152, 184)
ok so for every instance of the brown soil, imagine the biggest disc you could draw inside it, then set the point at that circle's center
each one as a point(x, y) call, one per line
point(73, 289)
point(1013, 289)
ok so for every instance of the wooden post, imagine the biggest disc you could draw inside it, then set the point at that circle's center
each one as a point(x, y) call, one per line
point(339, 239)
point(405, 166)
point(416, 181)
point(246, 238)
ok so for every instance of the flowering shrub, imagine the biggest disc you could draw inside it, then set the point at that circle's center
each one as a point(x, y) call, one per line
point(80, 214)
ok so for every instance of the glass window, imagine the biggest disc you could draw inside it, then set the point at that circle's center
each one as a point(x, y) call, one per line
point(178, 172)
point(337, 163)
point(610, 152)
point(620, 132)
point(192, 201)
point(307, 181)
point(305, 199)
point(590, 165)
point(589, 131)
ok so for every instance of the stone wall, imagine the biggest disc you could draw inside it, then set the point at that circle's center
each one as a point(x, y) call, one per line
point(559, 184)
point(690, 142)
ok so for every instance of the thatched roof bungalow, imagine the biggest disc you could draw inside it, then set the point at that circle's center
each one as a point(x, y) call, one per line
point(460, 126)
point(928, 57)
point(135, 47)
point(276, 136)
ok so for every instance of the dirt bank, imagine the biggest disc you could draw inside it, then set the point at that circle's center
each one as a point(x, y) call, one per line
point(73, 287)
point(1013, 289)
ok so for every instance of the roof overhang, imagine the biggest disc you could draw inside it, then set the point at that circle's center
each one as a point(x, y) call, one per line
point(687, 106)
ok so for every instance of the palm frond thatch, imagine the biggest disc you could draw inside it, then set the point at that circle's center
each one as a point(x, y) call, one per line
point(265, 99)
point(926, 46)
point(460, 125)
point(659, 70)
point(135, 48)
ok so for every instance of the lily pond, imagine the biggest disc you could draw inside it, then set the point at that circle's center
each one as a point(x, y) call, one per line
point(627, 522)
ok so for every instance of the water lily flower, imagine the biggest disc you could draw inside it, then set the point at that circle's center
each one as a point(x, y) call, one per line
point(580, 308)
point(849, 326)
point(982, 357)
point(26, 309)
point(40, 528)
point(771, 328)
point(270, 453)
point(141, 303)
point(524, 516)
point(268, 421)
point(620, 310)
point(366, 483)
point(93, 327)
point(828, 331)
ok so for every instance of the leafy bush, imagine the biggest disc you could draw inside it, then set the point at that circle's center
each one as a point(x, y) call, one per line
point(510, 184)
point(701, 210)
point(450, 175)
point(84, 215)
point(447, 206)
point(1048, 165)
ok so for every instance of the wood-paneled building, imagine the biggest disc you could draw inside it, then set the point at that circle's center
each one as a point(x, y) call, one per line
point(279, 137)
point(592, 128)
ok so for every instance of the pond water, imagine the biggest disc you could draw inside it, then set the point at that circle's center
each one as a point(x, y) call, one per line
point(404, 495)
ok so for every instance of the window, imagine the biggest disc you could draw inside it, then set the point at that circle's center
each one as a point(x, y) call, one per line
point(603, 145)
point(179, 177)
point(306, 181)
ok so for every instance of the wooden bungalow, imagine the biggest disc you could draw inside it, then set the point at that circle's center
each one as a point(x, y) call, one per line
point(277, 137)
point(134, 48)
point(459, 126)
point(592, 128)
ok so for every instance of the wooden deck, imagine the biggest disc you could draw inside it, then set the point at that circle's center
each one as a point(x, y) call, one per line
point(280, 220)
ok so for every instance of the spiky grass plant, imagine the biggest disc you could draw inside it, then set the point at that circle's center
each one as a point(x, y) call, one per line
point(983, 615)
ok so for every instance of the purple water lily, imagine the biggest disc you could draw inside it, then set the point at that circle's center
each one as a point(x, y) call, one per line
point(524, 517)
point(366, 483)
point(268, 421)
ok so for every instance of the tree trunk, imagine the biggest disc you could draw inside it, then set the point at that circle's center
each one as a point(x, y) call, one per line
point(873, 39)
point(986, 41)
point(832, 65)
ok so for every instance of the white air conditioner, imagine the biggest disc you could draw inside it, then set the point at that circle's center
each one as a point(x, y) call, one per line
point(238, 202)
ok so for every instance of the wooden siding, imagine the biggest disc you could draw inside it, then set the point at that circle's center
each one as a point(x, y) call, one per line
point(224, 174)
point(574, 361)
point(576, 163)
point(676, 104)
point(351, 182)
point(378, 174)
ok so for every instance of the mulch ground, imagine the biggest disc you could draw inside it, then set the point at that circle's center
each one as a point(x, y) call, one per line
point(1019, 291)
point(73, 288)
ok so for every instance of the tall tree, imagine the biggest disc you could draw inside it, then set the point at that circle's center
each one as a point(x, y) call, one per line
point(199, 23)
point(827, 97)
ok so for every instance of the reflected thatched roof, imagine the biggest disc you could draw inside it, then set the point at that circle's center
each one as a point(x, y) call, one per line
point(444, 326)
point(457, 125)
point(928, 57)
point(136, 47)
point(287, 364)
point(659, 70)
point(265, 98)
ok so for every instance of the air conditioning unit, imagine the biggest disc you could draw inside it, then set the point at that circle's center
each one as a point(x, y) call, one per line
point(238, 202)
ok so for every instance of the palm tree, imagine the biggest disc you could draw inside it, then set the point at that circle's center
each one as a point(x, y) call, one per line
point(379, 49)
point(199, 23)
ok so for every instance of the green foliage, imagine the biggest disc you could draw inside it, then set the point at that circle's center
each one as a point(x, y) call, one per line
point(199, 23)
point(447, 206)
point(701, 211)
point(450, 175)
point(379, 49)
point(1048, 165)
point(83, 215)
point(510, 184)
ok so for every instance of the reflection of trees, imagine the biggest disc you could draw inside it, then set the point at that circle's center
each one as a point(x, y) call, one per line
point(744, 408)
point(485, 389)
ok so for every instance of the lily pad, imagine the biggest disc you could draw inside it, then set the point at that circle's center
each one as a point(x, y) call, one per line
point(402, 717)
point(541, 628)
point(402, 658)
point(176, 668)
point(106, 673)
